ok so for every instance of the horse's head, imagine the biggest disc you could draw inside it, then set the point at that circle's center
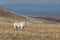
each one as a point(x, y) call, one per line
point(25, 23)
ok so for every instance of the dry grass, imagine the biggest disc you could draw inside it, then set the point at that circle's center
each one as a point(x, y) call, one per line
point(30, 32)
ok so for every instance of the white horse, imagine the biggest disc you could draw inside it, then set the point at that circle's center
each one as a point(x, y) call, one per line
point(18, 25)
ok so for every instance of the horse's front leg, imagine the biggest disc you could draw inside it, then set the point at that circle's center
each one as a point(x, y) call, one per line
point(21, 29)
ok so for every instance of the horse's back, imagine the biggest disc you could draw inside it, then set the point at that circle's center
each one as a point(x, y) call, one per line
point(19, 23)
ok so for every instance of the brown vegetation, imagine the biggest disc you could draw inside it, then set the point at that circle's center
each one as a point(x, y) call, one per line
point(30, 32)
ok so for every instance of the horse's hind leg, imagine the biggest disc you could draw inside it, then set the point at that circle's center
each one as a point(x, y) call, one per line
point(16, 28)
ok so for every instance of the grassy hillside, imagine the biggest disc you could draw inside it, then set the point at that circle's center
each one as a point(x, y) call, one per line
point(30, 32)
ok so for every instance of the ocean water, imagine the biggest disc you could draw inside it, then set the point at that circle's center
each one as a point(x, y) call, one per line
point(26, 8)
point(34, 9)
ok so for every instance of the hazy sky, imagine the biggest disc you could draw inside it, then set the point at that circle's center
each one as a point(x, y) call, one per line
point(29, 1)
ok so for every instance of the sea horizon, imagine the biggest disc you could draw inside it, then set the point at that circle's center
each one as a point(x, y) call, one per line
point(42, 10)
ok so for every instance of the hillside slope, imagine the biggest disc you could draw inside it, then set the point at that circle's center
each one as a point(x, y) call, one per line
point(10, 16)
point(7, 14)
